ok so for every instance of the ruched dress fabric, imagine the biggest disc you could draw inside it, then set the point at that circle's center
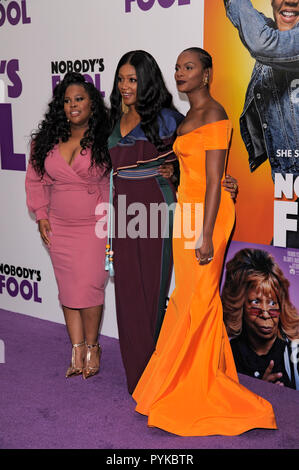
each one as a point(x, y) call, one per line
point(190, 386)
point(68, 195)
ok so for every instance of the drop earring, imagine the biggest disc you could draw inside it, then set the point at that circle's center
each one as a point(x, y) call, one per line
point(124, 107)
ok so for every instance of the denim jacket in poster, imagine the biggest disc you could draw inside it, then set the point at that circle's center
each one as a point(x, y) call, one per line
point(269, 122)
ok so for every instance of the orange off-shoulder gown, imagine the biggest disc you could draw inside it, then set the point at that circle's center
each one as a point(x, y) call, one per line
point(190, 386)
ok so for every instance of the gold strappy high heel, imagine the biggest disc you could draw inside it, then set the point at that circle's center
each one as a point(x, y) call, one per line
point(89, 371)
point(73, 370)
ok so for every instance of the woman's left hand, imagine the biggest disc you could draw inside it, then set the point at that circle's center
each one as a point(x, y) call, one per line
point(166, 170)
point(205, 253)
point(230, 184)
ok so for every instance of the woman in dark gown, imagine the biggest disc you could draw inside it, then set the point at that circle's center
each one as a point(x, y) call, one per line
point(140, 147)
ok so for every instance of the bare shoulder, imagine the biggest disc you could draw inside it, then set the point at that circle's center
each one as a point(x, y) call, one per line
point(214, 113)
point(196, 118)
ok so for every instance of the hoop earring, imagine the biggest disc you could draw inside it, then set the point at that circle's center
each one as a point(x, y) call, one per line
point(124, 107)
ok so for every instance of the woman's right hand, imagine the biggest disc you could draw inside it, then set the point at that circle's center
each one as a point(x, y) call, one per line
point(44, 230)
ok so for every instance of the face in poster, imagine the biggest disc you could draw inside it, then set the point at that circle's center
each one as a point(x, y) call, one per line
point(258, 297)
point(256, 77)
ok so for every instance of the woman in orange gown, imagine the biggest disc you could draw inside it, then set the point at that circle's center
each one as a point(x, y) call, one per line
point(190, 386)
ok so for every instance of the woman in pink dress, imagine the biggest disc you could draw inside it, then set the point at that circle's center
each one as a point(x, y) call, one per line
point(65, 181)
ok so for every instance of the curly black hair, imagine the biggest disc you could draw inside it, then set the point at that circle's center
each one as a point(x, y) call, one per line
point(55, 127)
point(152, 94)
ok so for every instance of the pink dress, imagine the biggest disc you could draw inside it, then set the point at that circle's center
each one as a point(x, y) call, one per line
point(67, 196)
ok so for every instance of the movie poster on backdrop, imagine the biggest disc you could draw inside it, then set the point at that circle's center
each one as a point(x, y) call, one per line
point(256, 78)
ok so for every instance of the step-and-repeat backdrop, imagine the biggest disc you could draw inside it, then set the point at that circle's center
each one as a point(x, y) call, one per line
point(40, 41)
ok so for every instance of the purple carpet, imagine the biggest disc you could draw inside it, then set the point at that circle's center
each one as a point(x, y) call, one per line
point(40, 409)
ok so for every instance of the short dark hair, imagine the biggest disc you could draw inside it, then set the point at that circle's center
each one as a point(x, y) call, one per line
point(204, 57)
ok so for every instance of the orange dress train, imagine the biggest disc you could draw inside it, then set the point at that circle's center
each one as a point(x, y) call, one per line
point(190, 386)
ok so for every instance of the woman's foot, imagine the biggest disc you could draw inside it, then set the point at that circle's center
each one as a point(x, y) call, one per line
point(92, 360)
point(78, 353)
